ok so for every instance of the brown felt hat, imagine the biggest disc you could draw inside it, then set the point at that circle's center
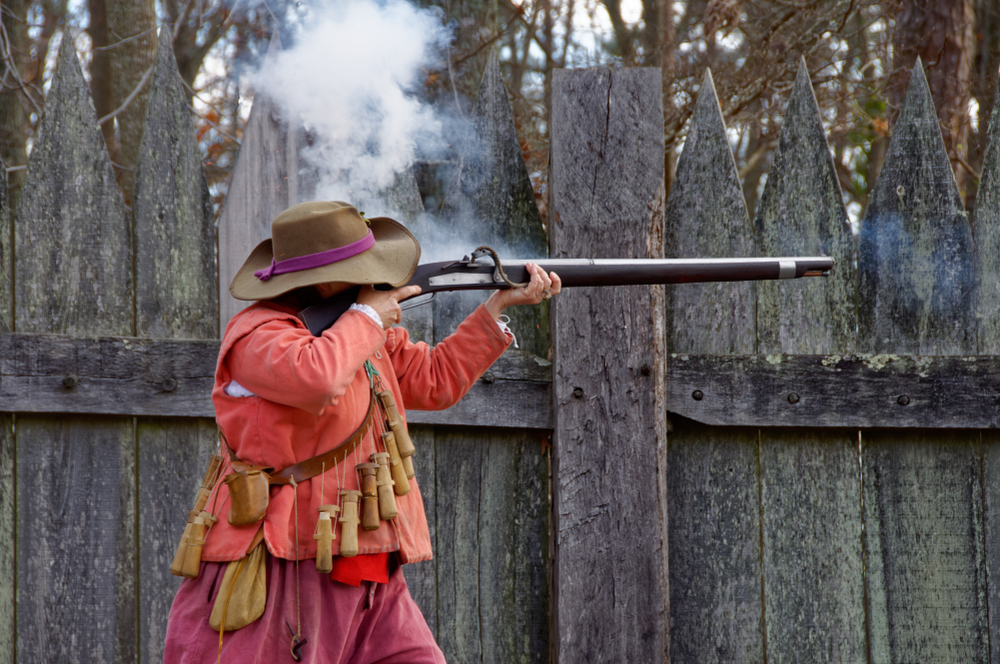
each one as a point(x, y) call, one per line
point(323, 242)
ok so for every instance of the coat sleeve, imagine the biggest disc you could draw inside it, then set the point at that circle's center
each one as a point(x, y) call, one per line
point(283, 362)
point(436, 378)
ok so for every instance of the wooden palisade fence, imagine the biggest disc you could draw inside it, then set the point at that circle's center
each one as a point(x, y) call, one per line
point(828, 489)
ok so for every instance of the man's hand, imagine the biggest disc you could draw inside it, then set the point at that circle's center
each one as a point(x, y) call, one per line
point(386, 303)
point(541, 287)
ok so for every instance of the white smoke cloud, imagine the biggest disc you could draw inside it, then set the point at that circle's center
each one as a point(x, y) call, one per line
point(351, 77)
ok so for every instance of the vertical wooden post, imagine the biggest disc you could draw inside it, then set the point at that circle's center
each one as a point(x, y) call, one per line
point(7, 489)
point(987, 233)
point(610, 429)
point(176, 298)
point(810, 484)
point(714, 483)
point(76, 544)
point(923, 494)
point(266, 180)
point(491, 489)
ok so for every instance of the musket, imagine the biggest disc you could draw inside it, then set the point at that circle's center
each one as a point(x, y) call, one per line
point(473, 274)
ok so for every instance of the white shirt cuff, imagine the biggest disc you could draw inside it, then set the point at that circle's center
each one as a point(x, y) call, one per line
point(368, 311)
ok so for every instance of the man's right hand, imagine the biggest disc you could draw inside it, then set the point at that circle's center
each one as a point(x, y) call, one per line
point(386, 303)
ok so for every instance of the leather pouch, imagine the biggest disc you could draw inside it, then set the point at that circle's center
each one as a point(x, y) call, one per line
point(242, 595)
point(248, 493)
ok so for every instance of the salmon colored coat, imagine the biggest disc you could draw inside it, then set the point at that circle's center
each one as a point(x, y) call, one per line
point(311, 393)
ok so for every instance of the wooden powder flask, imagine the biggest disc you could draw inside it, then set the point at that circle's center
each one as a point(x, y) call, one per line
point(396, 464)
point(207, 483)
point(324, 537)
point(349, 523)
point(403, 441)
point(192, 559)
point(369, 495)
point(383, 478)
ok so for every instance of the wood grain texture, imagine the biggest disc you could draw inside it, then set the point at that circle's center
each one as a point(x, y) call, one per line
point(706, 217)
point(915, 246)
point(162, 377)
point(73, 243)
point(269, 177)
point(811, 522)
point(76, 544)
point(924, 558)
point(824, 391)
point(715, 558)
point(802, 213)
point(991, 535)
point(987, 233)
point(175, 280)
point(172, 457)
point(810, 481)
point(421, 578)
point(6, 259)
point(490, 200)
point(491, 539)
point(609, 433)
point(8, 542)
point(715, 582)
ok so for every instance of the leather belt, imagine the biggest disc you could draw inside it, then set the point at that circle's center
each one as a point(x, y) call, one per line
point(304, 470)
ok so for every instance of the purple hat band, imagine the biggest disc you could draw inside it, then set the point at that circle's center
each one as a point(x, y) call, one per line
point(309, 261)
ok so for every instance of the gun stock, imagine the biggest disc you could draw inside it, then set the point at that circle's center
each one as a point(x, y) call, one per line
point(579, 272)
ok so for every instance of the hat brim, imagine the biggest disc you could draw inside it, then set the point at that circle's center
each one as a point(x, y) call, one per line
point(392, 260)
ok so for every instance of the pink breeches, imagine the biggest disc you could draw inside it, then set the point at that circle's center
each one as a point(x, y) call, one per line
point(342, 624)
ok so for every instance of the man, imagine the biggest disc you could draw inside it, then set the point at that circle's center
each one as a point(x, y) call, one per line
point(318, 414)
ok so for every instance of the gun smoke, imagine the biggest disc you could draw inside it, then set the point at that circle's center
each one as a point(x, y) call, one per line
point(352, 77)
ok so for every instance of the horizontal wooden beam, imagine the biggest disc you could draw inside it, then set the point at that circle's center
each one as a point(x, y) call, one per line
point(867, 391)
point(166, 378)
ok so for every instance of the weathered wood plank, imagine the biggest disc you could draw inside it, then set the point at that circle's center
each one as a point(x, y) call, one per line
point(811, 522)
point(481, 481)
point(706, 217)
point(176, 297)
point(76, 545)
point(161, 377)
point(802, 213)
point(421, 578)
point(492, 543)
point(915, 246)
point(6, 260)
point(73, 241)
point(810, 481)
point(267, 179)
point(987, 233)
point(491, 201)
point(459, 488)
point(8, 542)
point(175, 280)
point(610, 430)
point(862, 391)
point(715, 584)
point(991, 535)
point(924, 559)
point(172, 457)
